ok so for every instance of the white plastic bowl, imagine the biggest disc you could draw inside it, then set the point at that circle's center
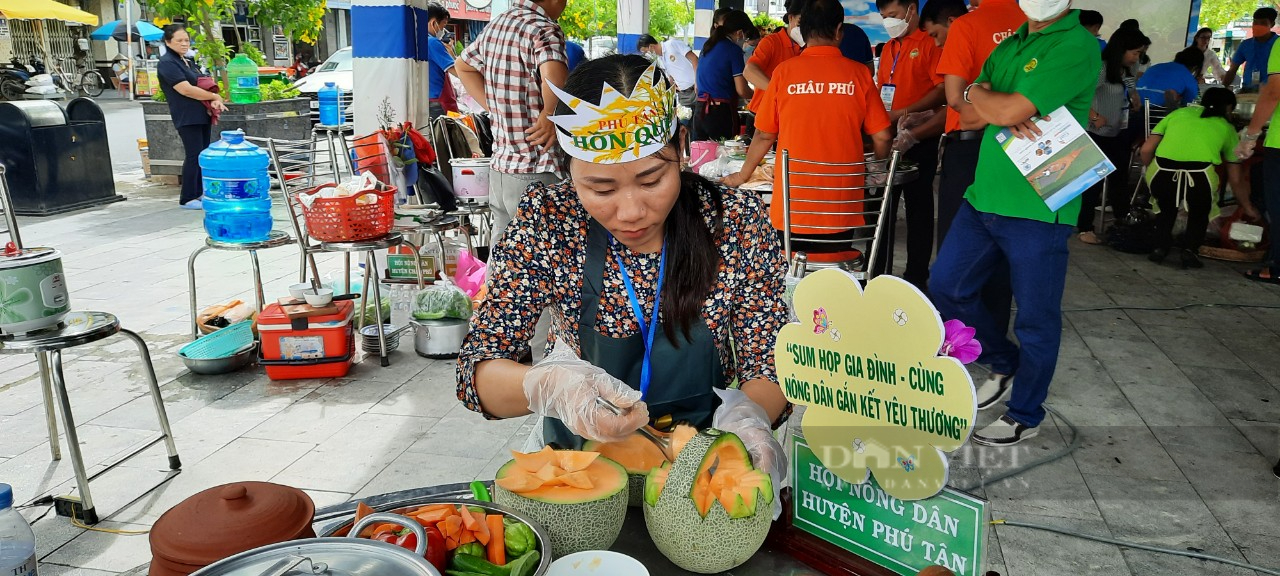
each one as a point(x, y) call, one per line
point(597, 563)
point(298, 291)
point(322, 297)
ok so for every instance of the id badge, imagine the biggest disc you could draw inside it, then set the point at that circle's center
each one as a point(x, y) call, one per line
point(886, 95)
point(1255, 78)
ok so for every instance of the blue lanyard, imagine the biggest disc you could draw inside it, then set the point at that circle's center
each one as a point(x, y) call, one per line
point(649, 329)
point(897, 53)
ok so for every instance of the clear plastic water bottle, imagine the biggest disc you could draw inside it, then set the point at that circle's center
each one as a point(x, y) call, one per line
point(17, 541)
point(237, 206)
point(235, 169)
point(330, 104)
point(242, 74)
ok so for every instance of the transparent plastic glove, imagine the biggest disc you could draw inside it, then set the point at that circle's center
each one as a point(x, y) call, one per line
point(1246, 147)
point(742, 416)
point(565, 387)
point(904, 140)
point(914, 119)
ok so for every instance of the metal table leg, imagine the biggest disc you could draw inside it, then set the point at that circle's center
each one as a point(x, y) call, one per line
point(46, 385)
point(417, 262)
point(370, 275)
point(257, 280)
point(364, 295)
point(191, 289)
point(162, 415)
point(89, 515)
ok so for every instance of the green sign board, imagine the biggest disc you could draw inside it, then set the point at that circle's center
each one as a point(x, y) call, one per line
point(904, 536)
point(400, 266)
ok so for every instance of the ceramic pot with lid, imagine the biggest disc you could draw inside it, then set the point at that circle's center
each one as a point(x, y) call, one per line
point(33, 290)
point(226, 520)
point(333, 556)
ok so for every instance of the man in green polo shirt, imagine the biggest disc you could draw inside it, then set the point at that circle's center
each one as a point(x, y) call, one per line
point(1267, 110)
point(1051, 61)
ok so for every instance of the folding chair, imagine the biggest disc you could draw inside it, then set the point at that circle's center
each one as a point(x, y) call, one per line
point(877, 207)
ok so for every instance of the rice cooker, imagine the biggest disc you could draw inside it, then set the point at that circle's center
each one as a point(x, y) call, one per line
point(33, 290)
point(471, 180)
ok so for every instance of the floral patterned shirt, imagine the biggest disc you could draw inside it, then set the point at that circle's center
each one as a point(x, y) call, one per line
point(539, 264)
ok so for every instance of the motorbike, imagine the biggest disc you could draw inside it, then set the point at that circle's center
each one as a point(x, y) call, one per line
point(13, 79)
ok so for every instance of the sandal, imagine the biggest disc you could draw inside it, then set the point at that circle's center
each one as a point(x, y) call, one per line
point(1256, 275)
point(1089, 238)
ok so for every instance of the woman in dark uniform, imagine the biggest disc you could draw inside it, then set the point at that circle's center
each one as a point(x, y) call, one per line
point(178, 79)
point(721, 86)
point(649, 273)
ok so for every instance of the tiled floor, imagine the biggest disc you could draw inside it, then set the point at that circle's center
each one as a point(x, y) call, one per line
point(1177, 411)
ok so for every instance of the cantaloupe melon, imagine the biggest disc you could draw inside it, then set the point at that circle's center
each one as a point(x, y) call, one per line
point(639, 455)
point(580, 509)
point(710, 510)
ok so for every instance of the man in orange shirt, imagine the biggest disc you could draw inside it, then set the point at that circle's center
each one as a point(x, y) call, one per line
point(966, 42)
point(818, 107)
point(909, 84)
point(773, 50)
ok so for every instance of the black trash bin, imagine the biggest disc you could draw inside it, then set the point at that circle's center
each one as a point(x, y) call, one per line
point(56, 161)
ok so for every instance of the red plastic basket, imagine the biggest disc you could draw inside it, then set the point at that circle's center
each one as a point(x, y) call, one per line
point(350, 219)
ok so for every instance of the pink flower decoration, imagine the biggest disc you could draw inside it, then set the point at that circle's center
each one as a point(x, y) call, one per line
point(958, 342)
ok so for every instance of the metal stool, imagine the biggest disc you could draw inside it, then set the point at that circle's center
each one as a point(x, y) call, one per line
point(437, 228)
point(370, 248)
point(274, 239)
point(79, 328)
point(484, 216)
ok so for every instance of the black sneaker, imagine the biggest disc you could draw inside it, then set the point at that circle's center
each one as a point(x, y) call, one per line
point(1158, 255)
point(994, 389)
point(1191, 260)
point(1004, 432)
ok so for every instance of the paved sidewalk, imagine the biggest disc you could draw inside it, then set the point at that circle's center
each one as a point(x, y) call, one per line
point(1178, 411)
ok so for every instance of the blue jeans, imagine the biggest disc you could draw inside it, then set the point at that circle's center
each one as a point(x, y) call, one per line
point(1036, 254)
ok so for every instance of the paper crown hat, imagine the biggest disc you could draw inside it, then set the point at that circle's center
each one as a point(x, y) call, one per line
point(620, 128)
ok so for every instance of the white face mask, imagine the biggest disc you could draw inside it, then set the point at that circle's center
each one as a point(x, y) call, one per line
point(895, 27)
point(1042, 10)
point(796, 36)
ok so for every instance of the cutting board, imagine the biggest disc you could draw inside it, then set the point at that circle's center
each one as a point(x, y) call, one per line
point(295, 309)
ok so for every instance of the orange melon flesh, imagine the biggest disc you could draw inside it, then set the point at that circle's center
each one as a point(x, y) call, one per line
point(574, 461)
point(534, 461)
point(637, 454)
point(600, 479)
point(681, 436)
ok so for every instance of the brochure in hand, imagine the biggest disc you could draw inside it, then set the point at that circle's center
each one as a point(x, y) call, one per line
point(1062, 163)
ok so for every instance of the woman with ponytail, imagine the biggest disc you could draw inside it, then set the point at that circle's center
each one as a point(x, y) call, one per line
point(664, 287)
point(1181, 157)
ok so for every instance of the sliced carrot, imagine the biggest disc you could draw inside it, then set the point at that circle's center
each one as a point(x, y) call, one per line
point(481, 529)
point(451, 529)
point(363, 510)
point(496, 550)
point(433, 517)
point(467, 537)
point(432, 508)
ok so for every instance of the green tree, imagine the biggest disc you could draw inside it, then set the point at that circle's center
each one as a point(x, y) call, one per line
point(666, 17)
point(1218, 13)
point(583, 19)
point(299, 19)
point(202, 17)
point(764, 20)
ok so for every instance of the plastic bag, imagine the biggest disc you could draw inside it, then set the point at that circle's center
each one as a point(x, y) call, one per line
point(442, 301)
point(470, 274)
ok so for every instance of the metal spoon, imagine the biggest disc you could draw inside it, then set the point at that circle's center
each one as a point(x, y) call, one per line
point(663, 443)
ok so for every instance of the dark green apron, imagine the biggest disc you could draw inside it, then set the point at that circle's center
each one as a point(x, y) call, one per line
point(682, 378)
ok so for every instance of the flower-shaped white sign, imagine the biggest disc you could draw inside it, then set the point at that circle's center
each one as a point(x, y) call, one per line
point(878, 397)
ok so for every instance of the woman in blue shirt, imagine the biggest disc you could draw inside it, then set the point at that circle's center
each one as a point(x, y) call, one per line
point(1177, 79)
point(720, 81)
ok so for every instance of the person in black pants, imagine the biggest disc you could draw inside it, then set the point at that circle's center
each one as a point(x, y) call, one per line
point(1109, 118)
point(178, 80)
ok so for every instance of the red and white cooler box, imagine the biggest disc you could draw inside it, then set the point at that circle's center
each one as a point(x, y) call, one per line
point(316, 347)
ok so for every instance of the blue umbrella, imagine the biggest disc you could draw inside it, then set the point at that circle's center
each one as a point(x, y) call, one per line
point(116, 29)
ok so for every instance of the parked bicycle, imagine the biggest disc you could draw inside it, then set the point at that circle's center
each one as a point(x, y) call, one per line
point(85, 80)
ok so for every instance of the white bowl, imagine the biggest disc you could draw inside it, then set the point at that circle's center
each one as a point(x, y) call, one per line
point(322, 297)
point(299, 290)
point(597, 563)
